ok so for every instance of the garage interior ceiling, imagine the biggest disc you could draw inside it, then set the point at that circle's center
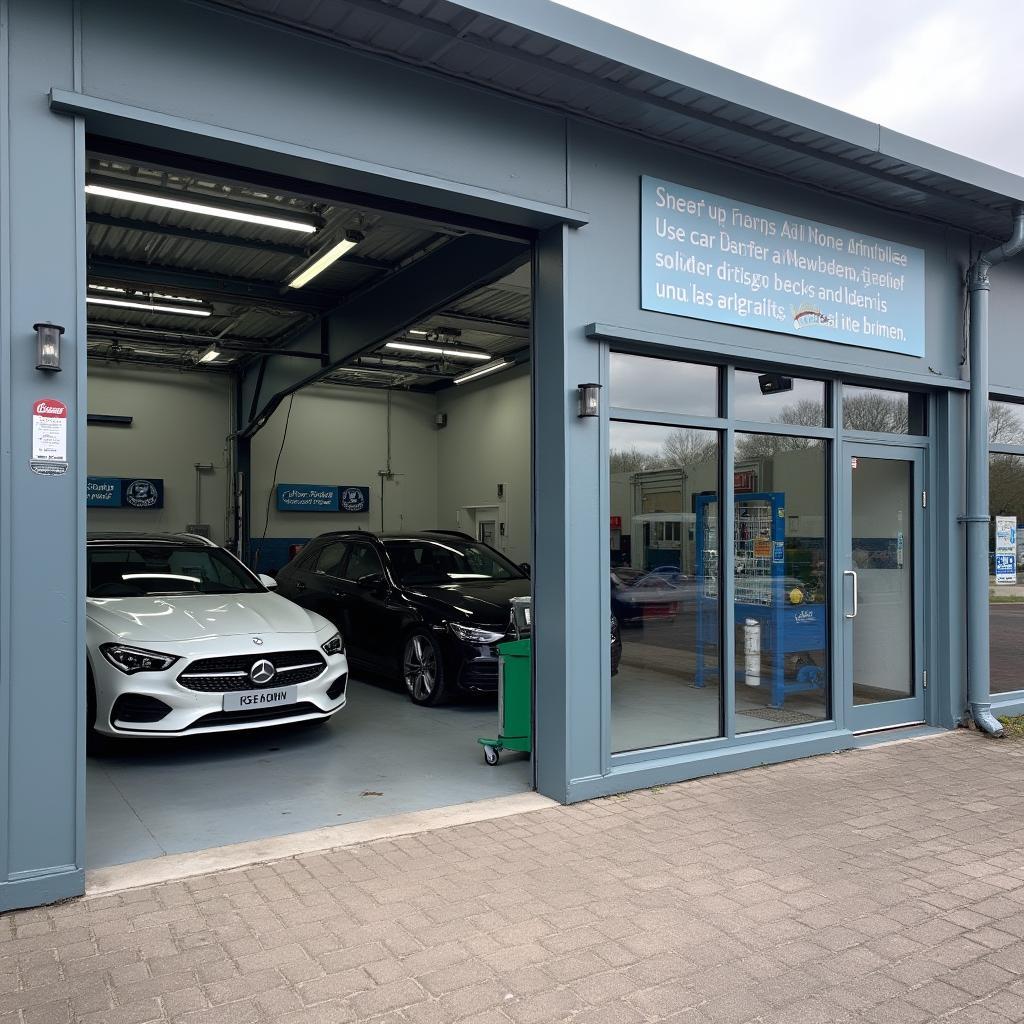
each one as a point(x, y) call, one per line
point(198, 284)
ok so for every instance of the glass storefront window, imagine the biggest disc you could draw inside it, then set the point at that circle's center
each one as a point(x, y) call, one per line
point(1006, 586)
point(664, 585)
point(886, 412)
point(1005, 423)
point(663, 385)
point(781, 581)
point(776, 398)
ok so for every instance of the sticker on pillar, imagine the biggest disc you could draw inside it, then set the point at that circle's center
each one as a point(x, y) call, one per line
point(1006, 550)
point(49, 437)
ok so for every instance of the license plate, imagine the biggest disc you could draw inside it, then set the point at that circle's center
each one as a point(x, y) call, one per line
point(247, 700)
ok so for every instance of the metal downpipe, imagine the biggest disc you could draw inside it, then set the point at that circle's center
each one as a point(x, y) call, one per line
point(977, 518)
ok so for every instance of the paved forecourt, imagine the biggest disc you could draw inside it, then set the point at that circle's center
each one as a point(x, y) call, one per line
point(878, 885)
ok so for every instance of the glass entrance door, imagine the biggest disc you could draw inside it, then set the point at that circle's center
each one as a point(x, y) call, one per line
point(883, 587)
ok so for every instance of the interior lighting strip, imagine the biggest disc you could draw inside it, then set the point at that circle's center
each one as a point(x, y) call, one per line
point(431, 350)
point(148, 307)
point(204, 209)
point(502, 364)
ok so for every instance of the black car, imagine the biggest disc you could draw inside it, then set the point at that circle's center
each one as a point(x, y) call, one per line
point(429, 607)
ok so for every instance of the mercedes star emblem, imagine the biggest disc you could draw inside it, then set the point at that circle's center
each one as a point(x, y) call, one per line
point(262, 673)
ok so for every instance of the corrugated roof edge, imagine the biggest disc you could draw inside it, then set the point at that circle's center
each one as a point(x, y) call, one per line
point(602, 39)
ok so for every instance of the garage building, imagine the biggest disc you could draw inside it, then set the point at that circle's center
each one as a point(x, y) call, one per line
point(732, 375)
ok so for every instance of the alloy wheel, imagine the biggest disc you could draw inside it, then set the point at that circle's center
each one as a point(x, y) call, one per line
point(420, 668)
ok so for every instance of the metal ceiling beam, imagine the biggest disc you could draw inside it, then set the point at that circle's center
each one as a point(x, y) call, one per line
point(236, 290)
point(488, 325)
point(398, 212)
point(358, 325)
point(196, 235)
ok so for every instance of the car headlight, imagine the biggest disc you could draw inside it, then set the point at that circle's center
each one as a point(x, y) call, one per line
point(136, 659)
point(474, 635)
point(333, 646)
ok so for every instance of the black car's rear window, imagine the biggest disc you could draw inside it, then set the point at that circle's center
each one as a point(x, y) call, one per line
point(419, 561)
point(138, 570)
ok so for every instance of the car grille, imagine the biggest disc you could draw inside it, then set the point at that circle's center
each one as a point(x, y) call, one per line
point(224, 675)
point(256, 715)
point(479, 675)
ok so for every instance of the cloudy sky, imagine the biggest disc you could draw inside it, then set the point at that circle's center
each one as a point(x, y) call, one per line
point(942, 70)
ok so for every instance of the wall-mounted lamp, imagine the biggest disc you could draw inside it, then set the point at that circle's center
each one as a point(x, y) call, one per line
point(48, 346)
point(590, 399)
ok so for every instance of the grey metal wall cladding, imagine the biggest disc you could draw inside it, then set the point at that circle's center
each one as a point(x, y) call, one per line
point(218, 67)
point(549, 55)
point(606, 281)
point(1006, 315)
point(42, 518)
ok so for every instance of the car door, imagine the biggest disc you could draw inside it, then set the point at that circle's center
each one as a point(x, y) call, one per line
point(366, 593)
point(293, 579)
point(317, 585)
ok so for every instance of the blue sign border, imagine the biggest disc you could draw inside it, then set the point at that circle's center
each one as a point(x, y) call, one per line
point(718, 259)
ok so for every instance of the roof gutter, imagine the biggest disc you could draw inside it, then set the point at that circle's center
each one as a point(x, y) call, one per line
point(977, 518)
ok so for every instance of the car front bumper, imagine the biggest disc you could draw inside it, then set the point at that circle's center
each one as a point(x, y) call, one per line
point(193, 712)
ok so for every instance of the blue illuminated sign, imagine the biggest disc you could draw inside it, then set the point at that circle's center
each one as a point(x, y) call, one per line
point(103, 492)
point(322, 498)
point(124, 492)
point(713, 258)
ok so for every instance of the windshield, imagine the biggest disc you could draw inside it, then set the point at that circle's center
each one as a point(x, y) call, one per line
point(139, 570)
point(420, 562)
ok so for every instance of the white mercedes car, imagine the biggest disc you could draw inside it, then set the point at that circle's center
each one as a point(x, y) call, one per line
point(182, 639)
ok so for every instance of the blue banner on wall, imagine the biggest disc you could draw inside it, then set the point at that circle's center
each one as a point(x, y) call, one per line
point(322, 498)
point(124, 492)
point(103, 492)
point(713, 258)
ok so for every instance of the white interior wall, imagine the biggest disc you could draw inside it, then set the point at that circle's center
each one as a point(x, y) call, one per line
point(339, 436)
point(335, 436)
point(486, 443)
point(179, 419)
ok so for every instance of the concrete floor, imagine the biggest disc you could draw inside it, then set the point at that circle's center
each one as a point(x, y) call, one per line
point(380, 756)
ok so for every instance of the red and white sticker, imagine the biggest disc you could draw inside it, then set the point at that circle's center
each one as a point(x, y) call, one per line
point(49, 430)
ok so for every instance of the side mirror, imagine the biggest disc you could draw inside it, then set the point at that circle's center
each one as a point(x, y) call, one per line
point(268, 581)
point(525, 566)
point(373, 579)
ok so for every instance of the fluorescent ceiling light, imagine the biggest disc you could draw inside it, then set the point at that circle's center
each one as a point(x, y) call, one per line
point(145, 295)
point(206, 209)
point(211, 355)
point(318, 266)
point(149, 307)
point(501, 364)
point(450, 353)
point(418, 332)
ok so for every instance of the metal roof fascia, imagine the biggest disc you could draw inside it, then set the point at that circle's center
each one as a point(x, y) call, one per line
point(584, 32)
point(951, 165)
point(112, 118)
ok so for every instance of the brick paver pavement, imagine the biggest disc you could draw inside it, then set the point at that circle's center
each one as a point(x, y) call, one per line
point(878, 885)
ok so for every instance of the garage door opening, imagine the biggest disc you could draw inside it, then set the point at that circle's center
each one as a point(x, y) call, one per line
point(337, 393)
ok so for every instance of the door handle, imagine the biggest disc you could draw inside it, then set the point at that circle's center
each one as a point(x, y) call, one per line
point(850, 572)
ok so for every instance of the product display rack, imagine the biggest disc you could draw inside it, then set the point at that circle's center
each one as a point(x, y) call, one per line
point(762, 593)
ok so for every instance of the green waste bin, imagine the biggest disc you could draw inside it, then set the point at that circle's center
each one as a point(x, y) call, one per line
point(514, 700)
